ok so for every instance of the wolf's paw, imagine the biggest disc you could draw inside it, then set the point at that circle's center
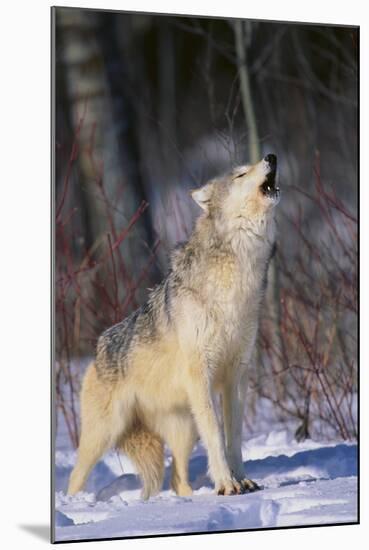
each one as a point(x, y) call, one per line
point(249, 486)
point(183, 490)
point(230, 487)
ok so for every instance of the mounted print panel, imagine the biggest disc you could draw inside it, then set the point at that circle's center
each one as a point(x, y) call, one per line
point(205, 203)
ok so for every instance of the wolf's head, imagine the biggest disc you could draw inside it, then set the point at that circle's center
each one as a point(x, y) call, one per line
point(245, 196)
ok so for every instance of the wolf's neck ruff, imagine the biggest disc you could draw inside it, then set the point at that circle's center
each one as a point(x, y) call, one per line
point(225, 269)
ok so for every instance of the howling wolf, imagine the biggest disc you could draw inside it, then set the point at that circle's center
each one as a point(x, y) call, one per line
point(156, 373)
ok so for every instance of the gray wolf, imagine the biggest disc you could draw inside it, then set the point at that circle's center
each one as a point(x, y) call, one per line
point(156, 373)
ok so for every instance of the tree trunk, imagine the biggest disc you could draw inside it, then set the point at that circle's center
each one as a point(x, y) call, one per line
point(243, 37)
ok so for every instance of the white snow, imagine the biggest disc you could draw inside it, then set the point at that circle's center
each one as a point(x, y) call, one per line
point(307, 483)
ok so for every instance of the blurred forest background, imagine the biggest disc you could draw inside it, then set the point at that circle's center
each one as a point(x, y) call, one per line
point(148, 107)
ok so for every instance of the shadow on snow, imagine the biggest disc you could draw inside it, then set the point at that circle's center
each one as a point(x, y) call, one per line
point(308, 465)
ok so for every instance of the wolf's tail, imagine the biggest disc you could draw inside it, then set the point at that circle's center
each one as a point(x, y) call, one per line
point(146, 450)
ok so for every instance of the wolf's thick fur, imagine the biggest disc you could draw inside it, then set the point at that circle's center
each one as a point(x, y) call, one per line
point(156, 373)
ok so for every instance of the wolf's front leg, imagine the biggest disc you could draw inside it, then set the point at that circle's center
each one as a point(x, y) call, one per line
point(233, 399)
point(202, 404)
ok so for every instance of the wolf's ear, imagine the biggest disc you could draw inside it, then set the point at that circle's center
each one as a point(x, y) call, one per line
point(202, 196)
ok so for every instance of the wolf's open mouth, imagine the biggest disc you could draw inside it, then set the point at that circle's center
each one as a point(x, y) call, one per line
point(269, 188)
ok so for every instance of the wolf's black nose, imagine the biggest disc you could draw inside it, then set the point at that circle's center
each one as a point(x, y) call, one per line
point(271, 159)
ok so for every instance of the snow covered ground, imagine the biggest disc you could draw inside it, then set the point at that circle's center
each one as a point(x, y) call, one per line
point(308, 483)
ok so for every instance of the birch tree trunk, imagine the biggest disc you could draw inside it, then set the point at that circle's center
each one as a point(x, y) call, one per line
point(242, 31)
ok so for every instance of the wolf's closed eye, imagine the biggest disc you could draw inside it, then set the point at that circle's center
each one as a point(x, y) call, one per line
point(240, 175)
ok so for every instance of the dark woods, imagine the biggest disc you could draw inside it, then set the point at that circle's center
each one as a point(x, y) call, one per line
point(148, 107)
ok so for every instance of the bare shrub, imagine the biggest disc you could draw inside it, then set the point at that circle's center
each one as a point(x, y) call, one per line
point(312, 378)
point(91, 292)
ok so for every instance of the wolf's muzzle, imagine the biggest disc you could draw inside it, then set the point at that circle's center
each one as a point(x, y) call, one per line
point(271, 160)
point(268, 188)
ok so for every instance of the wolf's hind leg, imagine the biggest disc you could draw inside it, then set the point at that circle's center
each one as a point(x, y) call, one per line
point(96, 426)
point(93, 443)
point(180, 434)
